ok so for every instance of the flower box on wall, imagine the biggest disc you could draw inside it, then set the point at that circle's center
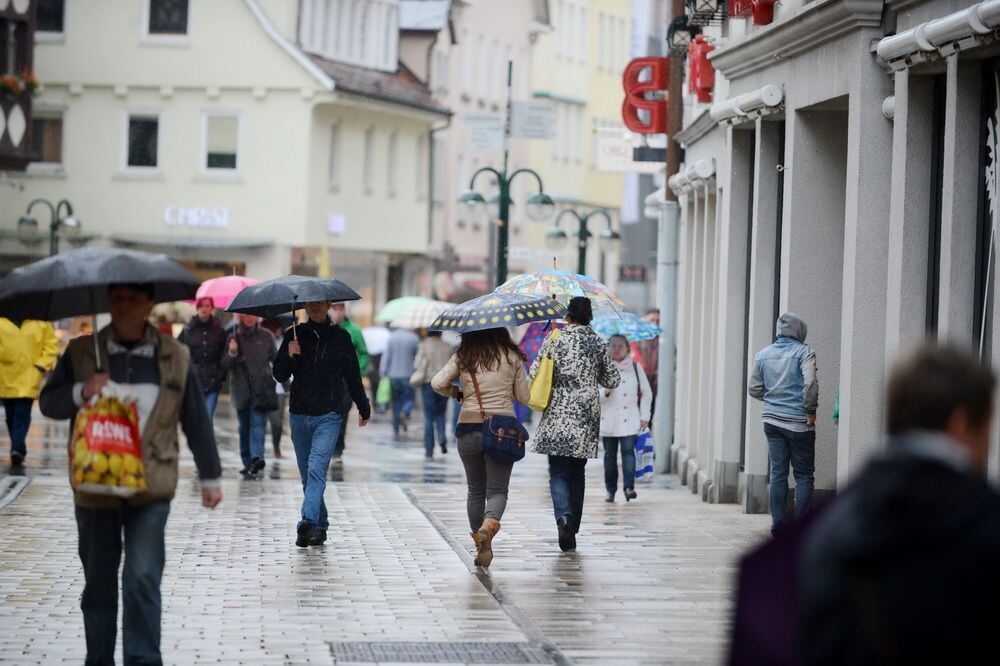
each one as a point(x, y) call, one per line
point(17, 83)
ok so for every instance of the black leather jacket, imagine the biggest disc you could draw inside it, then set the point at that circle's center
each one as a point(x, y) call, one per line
point(207, 342)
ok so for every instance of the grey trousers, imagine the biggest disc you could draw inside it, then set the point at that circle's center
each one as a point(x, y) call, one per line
point(488, 480)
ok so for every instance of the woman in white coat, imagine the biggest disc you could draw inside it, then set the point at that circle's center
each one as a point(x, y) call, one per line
point(624, 414)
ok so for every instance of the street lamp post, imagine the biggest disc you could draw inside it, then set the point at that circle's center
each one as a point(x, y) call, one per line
point(472, 206)
point(609, 239)
point(69, 226)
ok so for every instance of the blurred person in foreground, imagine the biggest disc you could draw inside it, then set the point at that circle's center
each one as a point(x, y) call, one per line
point(904, 565)
point(28, 350)
point(338, 315)
point(158, 371)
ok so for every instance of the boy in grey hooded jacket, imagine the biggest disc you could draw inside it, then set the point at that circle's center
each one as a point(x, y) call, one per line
point(784, 377)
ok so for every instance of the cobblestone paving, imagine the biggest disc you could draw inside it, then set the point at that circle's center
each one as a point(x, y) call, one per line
point(649, 584)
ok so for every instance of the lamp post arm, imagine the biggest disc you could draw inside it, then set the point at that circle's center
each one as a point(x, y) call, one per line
point(600, 212)
point(532, 172)
point(59, 207)
point(486, 169)
point(52, 209)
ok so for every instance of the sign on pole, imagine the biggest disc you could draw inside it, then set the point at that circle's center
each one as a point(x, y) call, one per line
point(615, 153)
point(532, 120)
point(485, 131)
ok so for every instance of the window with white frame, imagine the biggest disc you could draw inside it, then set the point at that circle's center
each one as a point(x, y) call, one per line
point(50, 15)
point(360, 32)
point(142, 141)
point(581, 38)
point(46, 137)
point(496, 74)
point(222, 138)
point(601, 47)
point(368, 158)
point(482, 71)
point(421, 168)
point(438, 186)
point(467, 55)
point(334, 169)
point(167, 18)
point(569, 34)
point(390, 165)
point(461, 182)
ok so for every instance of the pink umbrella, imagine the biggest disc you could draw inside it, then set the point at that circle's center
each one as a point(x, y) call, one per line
point(222, 290)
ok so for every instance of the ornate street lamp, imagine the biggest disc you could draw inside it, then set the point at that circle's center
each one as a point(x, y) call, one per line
point(61, 225)
point(680, 34)
point(608, 240)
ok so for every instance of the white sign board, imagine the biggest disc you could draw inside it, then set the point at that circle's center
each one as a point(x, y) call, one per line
point(614, 153)
point(485, 131)
point(336, 224)
point(515, 252)
point(196, 216)
point(532, 120)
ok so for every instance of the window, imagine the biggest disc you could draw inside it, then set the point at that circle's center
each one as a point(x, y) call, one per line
point(560, 26)
point(421, 168)
point(50, 15)
point(143, 142)
point(366, 167)
point(334, 155)
point(466, 46)
point(222, 134)
point(167, 17)
point(569, 31)
point(390, 166)
point(46, 138)
point(462, 183)
point(483, 74)
point(581, 39)
point(601, 46)
point(438, 187)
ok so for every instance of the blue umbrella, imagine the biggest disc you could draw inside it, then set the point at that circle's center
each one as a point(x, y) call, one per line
point(630, 325)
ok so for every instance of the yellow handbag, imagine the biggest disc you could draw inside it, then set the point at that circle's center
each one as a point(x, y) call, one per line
point(541, 384)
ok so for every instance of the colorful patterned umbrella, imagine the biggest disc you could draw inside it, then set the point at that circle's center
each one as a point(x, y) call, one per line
point(534, 336)
point(497, 311)
point(630, 325)
point(563, 285)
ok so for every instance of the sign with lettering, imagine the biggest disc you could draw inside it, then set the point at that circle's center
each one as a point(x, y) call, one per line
point(615, 153)
point(631, 273)
point(532, 120)
point(485, 131)
point(196, 216)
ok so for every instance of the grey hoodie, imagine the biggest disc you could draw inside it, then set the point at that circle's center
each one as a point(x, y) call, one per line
point(784, 374)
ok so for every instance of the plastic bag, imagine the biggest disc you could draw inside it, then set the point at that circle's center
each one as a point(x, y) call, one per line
point(383, 394)
point(644, 456)
point(106, 455)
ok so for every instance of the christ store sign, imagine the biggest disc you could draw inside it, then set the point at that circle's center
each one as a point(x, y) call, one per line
point(196, 216)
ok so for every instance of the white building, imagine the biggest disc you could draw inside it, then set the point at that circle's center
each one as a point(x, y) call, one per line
point(261, 136)
point(845, 171)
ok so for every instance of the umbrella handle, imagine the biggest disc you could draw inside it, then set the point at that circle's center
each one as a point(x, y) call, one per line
point(97, 347)
point(295, 331)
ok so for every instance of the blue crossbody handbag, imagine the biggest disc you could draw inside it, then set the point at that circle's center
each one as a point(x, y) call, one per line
point(503, 436)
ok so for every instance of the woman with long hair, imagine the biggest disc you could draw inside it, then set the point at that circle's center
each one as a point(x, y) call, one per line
point(490, 368)
point(570, 426)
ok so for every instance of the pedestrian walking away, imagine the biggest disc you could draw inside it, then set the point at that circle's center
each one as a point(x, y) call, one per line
point(158, 371)
point(432, 355)
point(206, 339)
point(28, 350)
point(276, 417)
point(784, 377)
point(870, 584)
point(320, 359)
point(498, 365)
point(250, 352)
point(397, 365)
point(338, 315)
point(570, 426)
point(625, 412)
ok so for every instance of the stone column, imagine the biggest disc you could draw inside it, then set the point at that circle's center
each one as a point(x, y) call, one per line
point(682, 418)
point(707, 351)
point(695, 330)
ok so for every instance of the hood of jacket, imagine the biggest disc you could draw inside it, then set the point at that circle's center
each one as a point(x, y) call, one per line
point(790, 325)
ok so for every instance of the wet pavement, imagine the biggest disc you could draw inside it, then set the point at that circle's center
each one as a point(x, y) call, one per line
point(649, 584)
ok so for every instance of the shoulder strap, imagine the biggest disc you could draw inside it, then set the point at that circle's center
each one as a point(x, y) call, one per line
point(638, 384)
point(479, 396)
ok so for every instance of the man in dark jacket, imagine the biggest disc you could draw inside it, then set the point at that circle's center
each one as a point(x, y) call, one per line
point(250, 353)
point(322, 359)
point(207, 341)
point(903, 566)
point(158, 373)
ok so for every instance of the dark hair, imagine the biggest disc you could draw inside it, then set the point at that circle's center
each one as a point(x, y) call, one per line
point(655, 311)
point(433, 334)
point(927, 385)
point(482, 350)
point(620, 337)
point(141, 287)
point(579, 310)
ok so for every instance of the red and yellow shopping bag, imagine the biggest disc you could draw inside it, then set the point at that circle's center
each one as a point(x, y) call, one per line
point(106, 450)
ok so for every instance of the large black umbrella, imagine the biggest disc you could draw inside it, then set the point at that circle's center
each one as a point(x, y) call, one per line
point(289, 293)
point(497, 311)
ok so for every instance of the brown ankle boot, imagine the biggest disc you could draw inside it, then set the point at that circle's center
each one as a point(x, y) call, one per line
point(484, 541)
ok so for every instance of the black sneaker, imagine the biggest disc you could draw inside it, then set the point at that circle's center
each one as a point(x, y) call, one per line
point(16, 458)
point(444, 447)
point(610, 497)
point(318, 537)
point(304, 534)
point(256, 465)
point(567, 540)
point(245, 472)
point(630, 494)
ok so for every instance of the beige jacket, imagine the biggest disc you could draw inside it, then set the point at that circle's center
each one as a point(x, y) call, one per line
point(499, 388)
point(432, 355)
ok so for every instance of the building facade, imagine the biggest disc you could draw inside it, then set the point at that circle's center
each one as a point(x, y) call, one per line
point(844, 171)
point(256, 136)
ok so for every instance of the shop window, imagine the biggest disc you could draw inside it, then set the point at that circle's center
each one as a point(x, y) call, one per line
point(334, 175)
point(50, 15)
point(366, 170)
point(46, 139)
point(988, 210)
point(221, 141)
point(390, 166)
point(167, 17)
point(934, 223)
point(143, 141)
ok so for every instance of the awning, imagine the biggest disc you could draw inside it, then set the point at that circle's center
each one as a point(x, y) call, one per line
point(189, 242)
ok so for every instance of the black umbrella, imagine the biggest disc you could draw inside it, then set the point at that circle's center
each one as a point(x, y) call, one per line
point(76, 283)
point(289, 293)
point(497, 311)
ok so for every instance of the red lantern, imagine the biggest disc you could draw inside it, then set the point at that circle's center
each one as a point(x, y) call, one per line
point(635, 95)
point(701, 80)
point(762, 11)
point(740, 7)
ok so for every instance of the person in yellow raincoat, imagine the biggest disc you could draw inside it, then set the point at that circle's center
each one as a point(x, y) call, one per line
point(28, 350)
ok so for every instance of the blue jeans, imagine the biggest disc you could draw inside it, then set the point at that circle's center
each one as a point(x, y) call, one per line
point(211, 401)
point(18, 413)
point(313, 438)
point(611, 445)
point(567, 480)
point(435, 409)
point(100, 539)
point(251, 433)
point(402, 401)
point(800, 448)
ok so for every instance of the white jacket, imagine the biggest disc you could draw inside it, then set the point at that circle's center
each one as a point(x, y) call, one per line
point(622, 411)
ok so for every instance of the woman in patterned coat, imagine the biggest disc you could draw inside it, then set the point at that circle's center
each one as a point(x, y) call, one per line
point(570, 426)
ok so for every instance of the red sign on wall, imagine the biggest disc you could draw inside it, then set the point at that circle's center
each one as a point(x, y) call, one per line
point(635, 95)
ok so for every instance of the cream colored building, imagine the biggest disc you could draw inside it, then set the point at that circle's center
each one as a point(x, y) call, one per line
point(261, 136)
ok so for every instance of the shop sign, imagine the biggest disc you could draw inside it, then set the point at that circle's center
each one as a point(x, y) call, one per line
point(616, 153)
point(631, 273)
point(196, 216)
point(485, 131)
point(532, 120)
